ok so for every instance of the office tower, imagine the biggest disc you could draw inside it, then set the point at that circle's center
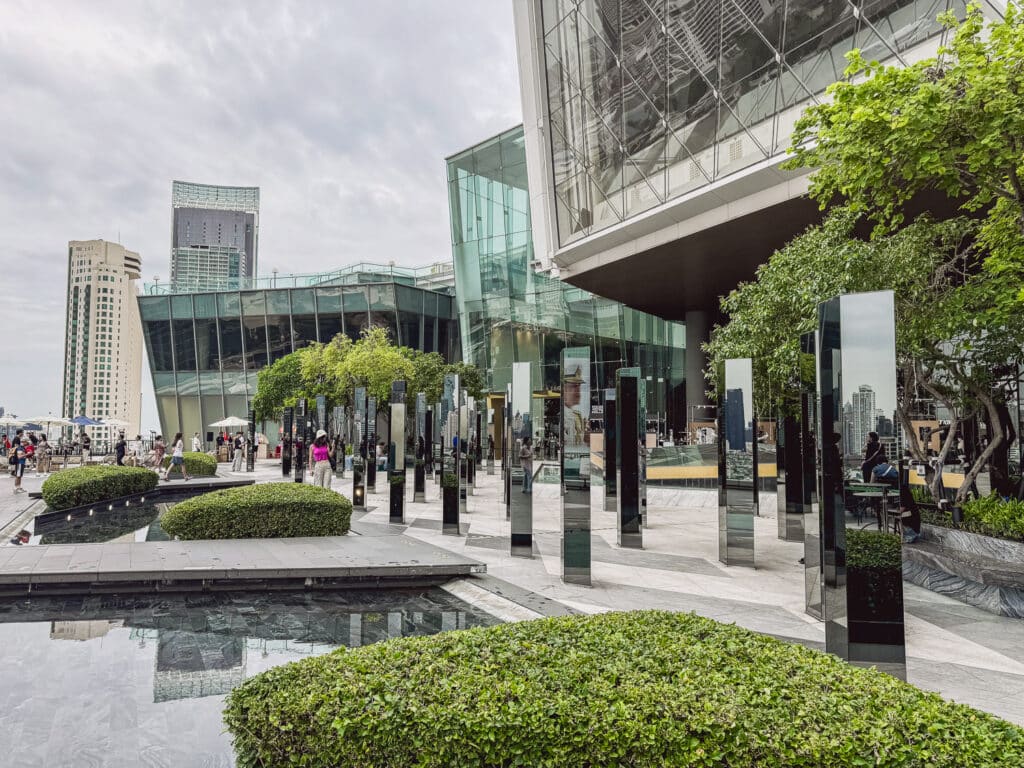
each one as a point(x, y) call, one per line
point(864, 417)
point(214, 236)
point(103, 336)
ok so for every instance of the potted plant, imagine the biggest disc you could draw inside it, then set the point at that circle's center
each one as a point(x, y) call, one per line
point(874, 579)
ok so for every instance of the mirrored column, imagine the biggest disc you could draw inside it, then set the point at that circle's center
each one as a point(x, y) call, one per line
point(737, 463)
point(493, 436)
point(610, 448)
point(630, 429)
point(359, 448)
point(371, 444)
point(449, 421)
point(520, 465)
point(575, 465)
point(301, 440)
point(471, 438)
point(461, 454)
point(396, 454)
point(808, 378)
point(419, 466)
point(287, 425)
point(860, 493)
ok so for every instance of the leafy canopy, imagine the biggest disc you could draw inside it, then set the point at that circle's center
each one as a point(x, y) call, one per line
point(954, 123)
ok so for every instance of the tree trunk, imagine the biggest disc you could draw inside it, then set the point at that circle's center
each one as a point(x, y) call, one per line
point(995, 441)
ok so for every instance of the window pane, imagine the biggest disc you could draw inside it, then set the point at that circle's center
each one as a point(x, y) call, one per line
point(231, 345)
point(255, 342)
point(279, 336)
point(158, 341)
point(254, 303)
point(277, 302)
point(302, 302)
point(207, 352)
point(304, 330)
point(184, 345)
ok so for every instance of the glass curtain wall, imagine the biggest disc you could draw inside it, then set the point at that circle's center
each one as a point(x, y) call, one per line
point(650, 99)
point(508, 313)
point(206, 349)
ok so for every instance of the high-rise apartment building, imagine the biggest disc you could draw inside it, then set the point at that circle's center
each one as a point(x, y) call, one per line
point(214, 236)
point(103, 336)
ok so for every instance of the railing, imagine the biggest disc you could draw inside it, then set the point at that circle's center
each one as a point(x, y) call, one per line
point(441, 273)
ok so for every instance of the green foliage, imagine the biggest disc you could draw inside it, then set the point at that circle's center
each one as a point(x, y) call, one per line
point(266, 511)
point(85, 485)
point(993, 516)
point(639, 689)
point(449, 480)
point(873, 549)
point(397, 479)
point(374, 362)
point(953, 124)
point(198, 464)
point(337, 368)
point(922, 495)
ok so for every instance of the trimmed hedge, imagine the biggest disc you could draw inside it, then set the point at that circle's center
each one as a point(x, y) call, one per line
point(648, 688)
point(198, 464)
point(873, 549)
point(269, 511)
point(87, 485)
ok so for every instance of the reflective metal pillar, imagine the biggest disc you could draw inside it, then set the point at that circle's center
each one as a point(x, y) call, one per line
point(359, 449)
point(630, 434)
point(575, 465)
point(610, 449)
point(449, 455)
point(520, 463)
point(861, 555)
point(737, 463)
point(396, 454)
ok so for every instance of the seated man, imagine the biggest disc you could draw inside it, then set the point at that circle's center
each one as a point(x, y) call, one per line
point(885, 473)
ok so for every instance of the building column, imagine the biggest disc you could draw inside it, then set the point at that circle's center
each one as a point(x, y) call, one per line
point(698, 329)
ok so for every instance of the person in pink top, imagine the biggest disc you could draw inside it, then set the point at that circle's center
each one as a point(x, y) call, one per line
point(320, 453)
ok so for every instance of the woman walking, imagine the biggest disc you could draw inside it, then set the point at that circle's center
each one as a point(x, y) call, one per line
point(320, 453)
point(177, 458)
point(159, 449)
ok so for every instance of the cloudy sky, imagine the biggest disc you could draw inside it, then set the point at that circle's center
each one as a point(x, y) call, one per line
point(341, 111)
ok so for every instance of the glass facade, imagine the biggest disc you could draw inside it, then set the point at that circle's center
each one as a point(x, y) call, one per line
point(205, 349)
point(651, 99)
point(509, 313)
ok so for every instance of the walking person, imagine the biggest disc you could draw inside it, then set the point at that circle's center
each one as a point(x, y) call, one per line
point(320, 453)
point(159, 449)
point(238, 448)
point(86, 447)
point(43, 454)
point(526, 462)
point(120, 449)
point(177, 458)
point(197, 444)
point(16, 458)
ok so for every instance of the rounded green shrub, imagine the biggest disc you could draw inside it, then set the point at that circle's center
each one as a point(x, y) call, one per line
point(86, 485)
point(268, 511)
point(198, 464)
point(647, 688)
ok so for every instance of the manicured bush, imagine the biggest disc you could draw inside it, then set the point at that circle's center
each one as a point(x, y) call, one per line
point(198, 464)
point(87, 485)
point(647, 688)
point(449, 480)
point(272, 510)
point(873, 549)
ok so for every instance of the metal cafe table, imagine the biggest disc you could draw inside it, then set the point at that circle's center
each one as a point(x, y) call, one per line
point(876, 491)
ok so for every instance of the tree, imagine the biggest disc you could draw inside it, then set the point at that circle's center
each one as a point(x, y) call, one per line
point(277, 385)
point(471, 378)
point(954, 123)
point(932, 269)
point(374, 362)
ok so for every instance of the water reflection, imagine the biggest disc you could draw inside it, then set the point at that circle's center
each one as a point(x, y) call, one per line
point(137, 522)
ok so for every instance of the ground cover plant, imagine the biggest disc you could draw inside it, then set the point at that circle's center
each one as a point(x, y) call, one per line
point(198, 464)
point(270, 510)
point(86, 485)
point(647, 688)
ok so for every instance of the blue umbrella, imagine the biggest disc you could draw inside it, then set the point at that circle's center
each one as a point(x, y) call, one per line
point(85, 421)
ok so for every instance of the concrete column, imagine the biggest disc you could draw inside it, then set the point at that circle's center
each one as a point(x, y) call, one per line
point(698, 329)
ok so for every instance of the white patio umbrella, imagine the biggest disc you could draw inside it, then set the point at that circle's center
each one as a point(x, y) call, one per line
point(230, 421)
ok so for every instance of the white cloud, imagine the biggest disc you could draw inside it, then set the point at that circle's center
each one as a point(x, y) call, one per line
point(342, 113)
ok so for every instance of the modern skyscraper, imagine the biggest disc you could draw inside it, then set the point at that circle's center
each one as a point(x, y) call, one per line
point(864, 417)
point(103, 336)
point(214, 236)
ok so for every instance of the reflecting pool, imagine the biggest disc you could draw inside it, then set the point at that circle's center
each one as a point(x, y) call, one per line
point(140, 681)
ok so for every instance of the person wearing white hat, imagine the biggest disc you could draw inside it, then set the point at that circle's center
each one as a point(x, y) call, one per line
point(320, 453)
